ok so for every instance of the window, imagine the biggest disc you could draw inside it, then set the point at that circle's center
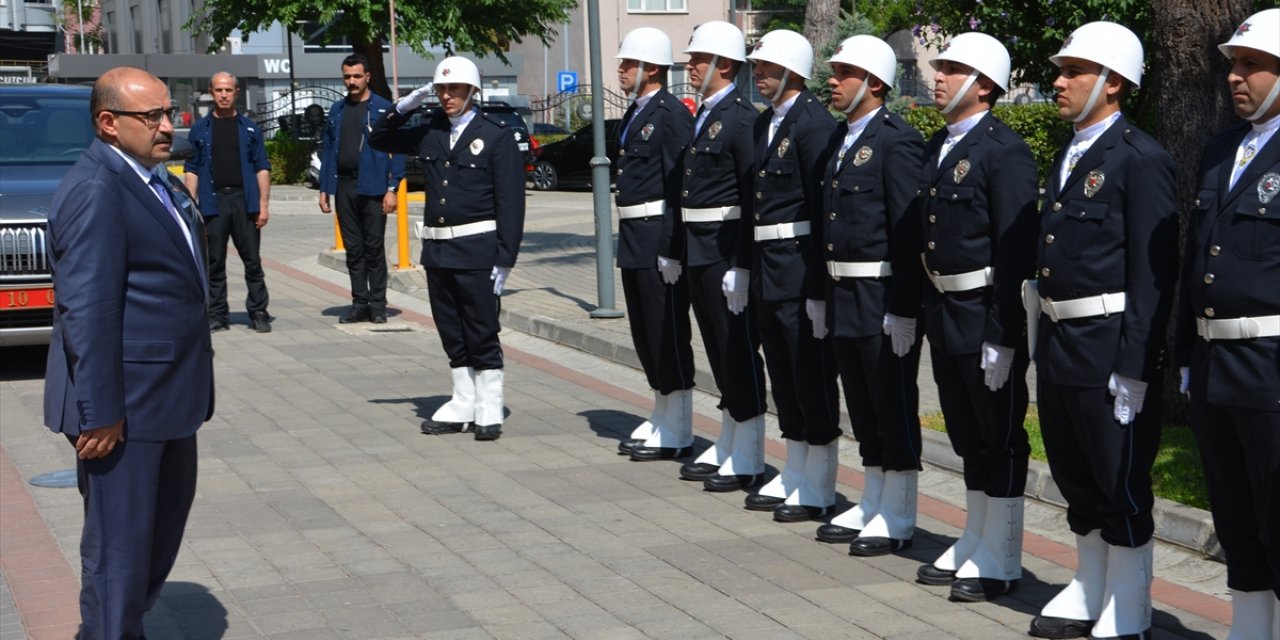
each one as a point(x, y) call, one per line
point(656, 6)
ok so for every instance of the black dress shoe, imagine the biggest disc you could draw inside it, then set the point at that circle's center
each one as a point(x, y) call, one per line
point(723, 484)
point(758, 502)
point(218, 325)
point(259, 321)
point(646, 454)
point(1145, 635)
point(1059, 628)
point(836, 534)
point(625, 447)
point(488, 431)
point(378, 317)
point(929, 574)
point(799, 513)
point(355, 314)
point(871, 547)
point(981, 589)
point(698, 471)
point(433, 428)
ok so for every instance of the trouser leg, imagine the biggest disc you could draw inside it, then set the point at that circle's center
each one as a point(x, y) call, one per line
point(218, 231)
point(802, 371)
point(247, 238)
point(731, 341)
point(659, 317)
point(350, 227)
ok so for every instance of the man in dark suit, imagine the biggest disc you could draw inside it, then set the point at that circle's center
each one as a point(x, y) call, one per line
point(129, 378)
point(715, 198)
point(474, 221)
point(873, 273)
point(1106, 265)
point(979, 225)
point(363, 183)
point(779, 246)
point(654, 129)
point(1229, 328)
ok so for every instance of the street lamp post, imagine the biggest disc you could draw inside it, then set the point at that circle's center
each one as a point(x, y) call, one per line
point(600, 175)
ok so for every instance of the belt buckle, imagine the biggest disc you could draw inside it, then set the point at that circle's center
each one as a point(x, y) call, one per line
point(1249, 328)
point(1204, 329)
point(1047, 306)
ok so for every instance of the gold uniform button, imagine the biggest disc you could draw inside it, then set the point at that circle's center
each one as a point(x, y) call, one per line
point(762, 174)
point(954, 196)
point(757, 217)
point(933, 218)
point(919, 191)
point(933, 191)
point(619, 171)
point(833, 215)
point(857, 188)
point(759, 195)
point(444, 183)
point(931, 245)
point(693, 151)
point(1044, 272)
point(441, 200)
point(688, 172)
point(447, 164)
point(685, 193)
point(835, 183)
point(831, 247)
point(1057, 206)
point(1048, 239)
point(1215, 250)
point(1208, 278)
point(622, 152)
point(1208, 312)
point(1262, 211)
point(440, 220)
point(1197, 202)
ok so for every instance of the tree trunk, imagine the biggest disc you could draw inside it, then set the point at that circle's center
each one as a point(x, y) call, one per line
point(820, 20)
point(1186, 98)
point(377, 71)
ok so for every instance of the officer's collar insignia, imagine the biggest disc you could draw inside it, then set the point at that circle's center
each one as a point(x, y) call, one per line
point(962, 170)
point(1268, 187)
point(783, 146)
point(1093, 183)
point(477, 146)
point(714, 130)
point(863, 155)
point(646, 132)
point(1244, 28)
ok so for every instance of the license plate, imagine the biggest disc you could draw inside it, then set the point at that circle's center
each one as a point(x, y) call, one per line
point(26, 298)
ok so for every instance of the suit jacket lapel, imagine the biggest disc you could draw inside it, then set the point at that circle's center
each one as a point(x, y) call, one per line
point(1267, 157)
point(784, 127)
point(1096, 153)
point(716, 114)
point(143, 193)
point(961, 150)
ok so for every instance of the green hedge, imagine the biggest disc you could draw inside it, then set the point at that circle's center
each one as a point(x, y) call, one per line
point(289, 160)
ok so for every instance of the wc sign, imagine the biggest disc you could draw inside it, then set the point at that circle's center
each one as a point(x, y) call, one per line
point(274, 67)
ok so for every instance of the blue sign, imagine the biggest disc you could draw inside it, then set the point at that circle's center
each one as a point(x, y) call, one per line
point(567, 81)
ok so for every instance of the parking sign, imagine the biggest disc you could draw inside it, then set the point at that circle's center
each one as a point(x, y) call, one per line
point(566, 80)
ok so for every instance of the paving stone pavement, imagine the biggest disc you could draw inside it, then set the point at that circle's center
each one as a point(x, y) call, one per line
point(323, 513)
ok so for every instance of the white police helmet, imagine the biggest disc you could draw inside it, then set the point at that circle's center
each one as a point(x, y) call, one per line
point(720, 39)
point(647, 45)
point(1260, 32)
point(1113, 46)
point(787, 49)
point(457, 70)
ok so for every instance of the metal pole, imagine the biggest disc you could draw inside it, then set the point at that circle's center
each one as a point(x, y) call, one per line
point(600, 174)
point(568, 119)
point(293, 93)
point(80, 25)
point(395, 74)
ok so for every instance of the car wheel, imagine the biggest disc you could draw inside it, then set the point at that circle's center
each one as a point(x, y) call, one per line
point(544, 176)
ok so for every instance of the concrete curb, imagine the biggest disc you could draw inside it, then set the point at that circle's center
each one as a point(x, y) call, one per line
point(1174, 523)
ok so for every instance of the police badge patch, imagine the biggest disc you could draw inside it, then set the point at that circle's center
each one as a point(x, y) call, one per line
point(477, 146)
point(714, 130)
point(863, 155)
point(1093, 183)
point(962, 170)
point(783, 146)
point(646, 132)
point(1268, 187)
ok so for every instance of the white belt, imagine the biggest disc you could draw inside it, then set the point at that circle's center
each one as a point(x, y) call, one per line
point(966, 281)
point(646, 210)
point(782, 231)
point(457, 230)
point(714, 214)
point(1101, 305)
point(859, 269)
point(1238, 328)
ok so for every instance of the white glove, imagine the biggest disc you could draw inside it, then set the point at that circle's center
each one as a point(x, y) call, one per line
point(901, 332)
point(1129, 395)
point(499, 278)
point(414, 100)
point(734, 285)
point(996, 361)
point(1184, 387)
point(817, 312)
point(670, 269)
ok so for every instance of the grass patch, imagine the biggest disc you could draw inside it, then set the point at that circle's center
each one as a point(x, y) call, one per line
point(1177, 474)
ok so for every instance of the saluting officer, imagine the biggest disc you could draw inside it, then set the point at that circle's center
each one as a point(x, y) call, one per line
point(1107, 255)
point(1229, 328)
point(654, 130)
point(779, 248)
point(979, 245)
point(871, 228)
point(474, 220)
point(716, 195)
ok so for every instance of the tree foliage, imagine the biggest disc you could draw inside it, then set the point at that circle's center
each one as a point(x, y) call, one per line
point(479, 27)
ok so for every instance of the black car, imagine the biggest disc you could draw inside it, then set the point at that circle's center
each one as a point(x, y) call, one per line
point(568, 162)
point(548, 129)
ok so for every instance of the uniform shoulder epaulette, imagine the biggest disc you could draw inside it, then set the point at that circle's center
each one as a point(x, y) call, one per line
point(1000, 132)
point(1141, 141)
point(494, 120)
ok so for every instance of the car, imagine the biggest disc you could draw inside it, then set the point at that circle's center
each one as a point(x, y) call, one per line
point(548, 129)
point(567, 162)
point(44, 129)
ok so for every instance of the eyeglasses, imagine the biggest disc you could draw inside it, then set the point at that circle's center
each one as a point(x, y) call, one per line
point(153, 117)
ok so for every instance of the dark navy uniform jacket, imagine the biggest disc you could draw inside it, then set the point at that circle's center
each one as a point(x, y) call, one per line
point(378, 172)
point(253, 158)
point(786, 190)
point(480, 178)
point(717, 173)
point(978, 210)
point(1232, 270)
point(647, 171)
point(871, 214)
point(1120, 237)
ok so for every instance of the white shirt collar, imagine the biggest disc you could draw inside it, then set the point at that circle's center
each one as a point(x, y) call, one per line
point(460, 122)
point(711, 102)
point(1086, 136)
point(780, 110)
point(643, 100)
point(858, 126)
point(958, 129)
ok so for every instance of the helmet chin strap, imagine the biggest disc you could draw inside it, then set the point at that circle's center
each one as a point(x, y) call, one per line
point(964, 88)
point(862, 92)
point(1266, 103)
point(1093, 96)
point(782, 86)
point(706, 80)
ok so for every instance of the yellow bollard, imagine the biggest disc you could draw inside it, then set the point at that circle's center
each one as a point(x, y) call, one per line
point(337, 232)
point(402, 226)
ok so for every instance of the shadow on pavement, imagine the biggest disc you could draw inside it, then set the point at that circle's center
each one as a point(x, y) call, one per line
point(582, 304)
point(198, 612)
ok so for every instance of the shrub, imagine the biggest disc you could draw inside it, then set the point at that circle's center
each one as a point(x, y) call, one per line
point(289, 159)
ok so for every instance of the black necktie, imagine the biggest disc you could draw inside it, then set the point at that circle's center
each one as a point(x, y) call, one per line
point(626, 121)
